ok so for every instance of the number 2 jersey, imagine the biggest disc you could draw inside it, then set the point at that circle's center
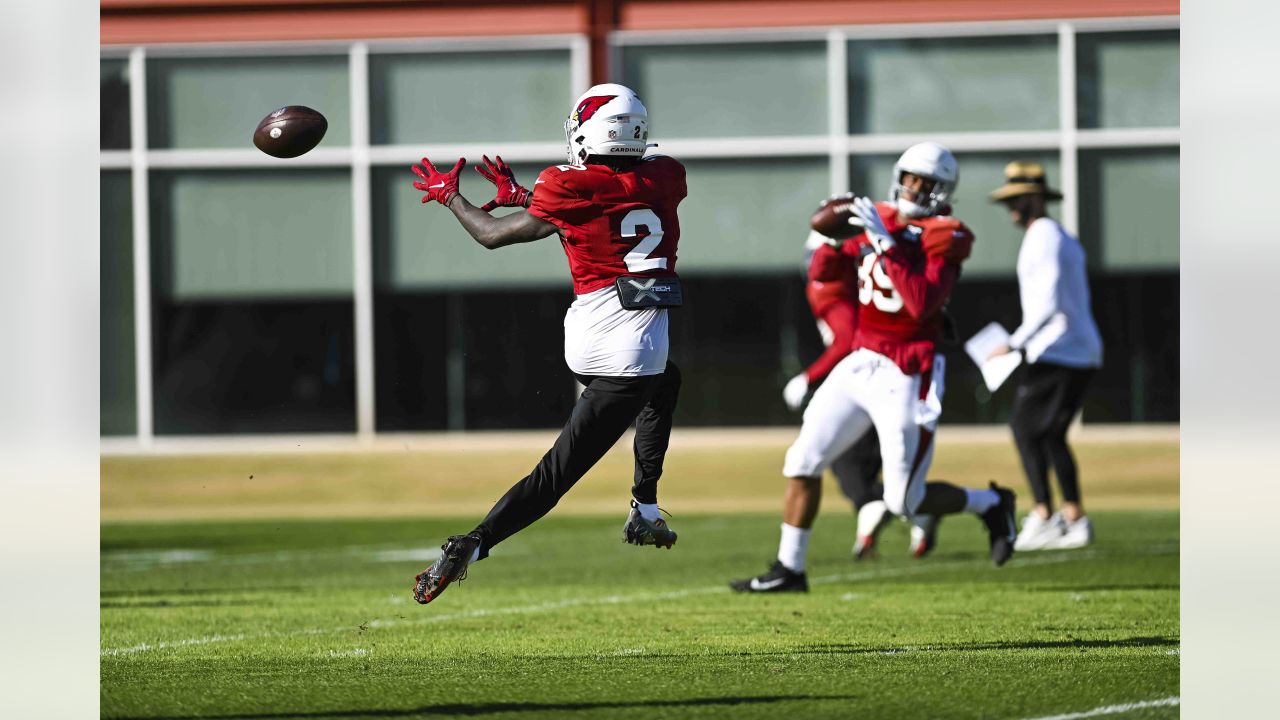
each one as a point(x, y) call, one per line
point(614, 223)
point(901, 294)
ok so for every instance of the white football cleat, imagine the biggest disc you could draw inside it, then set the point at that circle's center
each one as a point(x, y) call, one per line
point(924, 535)
point(872, 517)
point(1074, 535)
point(1038, 534)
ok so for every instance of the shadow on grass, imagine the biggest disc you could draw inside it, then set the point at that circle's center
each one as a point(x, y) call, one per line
point(465, 710)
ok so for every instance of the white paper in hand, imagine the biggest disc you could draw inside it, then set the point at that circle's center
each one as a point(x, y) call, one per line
point(998, 369)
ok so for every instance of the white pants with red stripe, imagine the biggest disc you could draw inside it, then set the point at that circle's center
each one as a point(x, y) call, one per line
point(865, 389)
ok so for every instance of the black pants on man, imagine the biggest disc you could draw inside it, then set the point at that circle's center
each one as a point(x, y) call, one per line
point(604, 411)
point(858, 468)
point(1048, 397)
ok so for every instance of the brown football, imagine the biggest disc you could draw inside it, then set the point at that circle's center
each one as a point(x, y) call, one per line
point(290, 131)
point(833, 219)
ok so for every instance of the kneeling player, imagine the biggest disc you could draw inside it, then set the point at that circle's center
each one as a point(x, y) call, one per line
point(615, 213)
point(907, 262)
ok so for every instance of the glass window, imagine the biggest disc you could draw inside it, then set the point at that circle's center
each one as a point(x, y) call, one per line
point(518, 96)
point(422, 246)
point(1128, 79)
point(731, 90)
point(218, 102)
point(227, 234)
point(953, 84)
point(113, 94)
point(998, 239)
point(246, 367)
point(118, 393)
point(1129, 207)
point(749, 214)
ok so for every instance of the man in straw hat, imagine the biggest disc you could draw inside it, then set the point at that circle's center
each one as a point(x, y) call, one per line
point(1062, 349)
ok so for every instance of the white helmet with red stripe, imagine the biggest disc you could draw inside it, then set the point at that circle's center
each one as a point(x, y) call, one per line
point(938, 167)
point(608, 120)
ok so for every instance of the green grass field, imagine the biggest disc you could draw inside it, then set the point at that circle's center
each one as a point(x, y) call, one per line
point(309, 615)
point(314, 619)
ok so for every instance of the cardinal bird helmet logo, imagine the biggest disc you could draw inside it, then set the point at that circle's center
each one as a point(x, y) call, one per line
point(588, 107)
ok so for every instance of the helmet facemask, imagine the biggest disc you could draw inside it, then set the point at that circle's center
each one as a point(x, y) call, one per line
point(932, 197)
point(934, 164)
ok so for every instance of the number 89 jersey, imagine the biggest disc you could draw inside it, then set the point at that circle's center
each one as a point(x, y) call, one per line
point(613, 222)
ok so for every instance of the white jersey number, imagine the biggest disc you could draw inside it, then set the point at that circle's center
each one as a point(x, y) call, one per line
point(875, 287)
point(635, 222)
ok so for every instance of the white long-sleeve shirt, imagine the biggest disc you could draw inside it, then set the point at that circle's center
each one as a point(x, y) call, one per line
point(1057, 323)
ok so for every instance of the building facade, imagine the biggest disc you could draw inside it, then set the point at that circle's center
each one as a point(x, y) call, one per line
point(246, 294)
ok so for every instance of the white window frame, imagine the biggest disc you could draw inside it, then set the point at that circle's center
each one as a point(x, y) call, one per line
point(360, 156)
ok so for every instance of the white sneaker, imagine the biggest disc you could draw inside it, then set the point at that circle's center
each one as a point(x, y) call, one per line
point(872, 517)
point(1038, 534)
point(1074, 535)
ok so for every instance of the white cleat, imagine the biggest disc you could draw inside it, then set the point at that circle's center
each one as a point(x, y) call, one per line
point(924, 535)
point(1038, 534)
point(872, 517)
point(1074, 535)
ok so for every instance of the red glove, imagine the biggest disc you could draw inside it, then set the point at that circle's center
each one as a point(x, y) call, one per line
point(510, 192)
point(441, 187)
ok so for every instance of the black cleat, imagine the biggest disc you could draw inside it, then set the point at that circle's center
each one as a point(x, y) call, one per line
point(1002, 529)
point(778, 579)
point(924, 535)
point(638, 531)
point(450, 568)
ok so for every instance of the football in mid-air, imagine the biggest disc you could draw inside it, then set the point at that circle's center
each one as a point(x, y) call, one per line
point(290, 131)
point(833, 218)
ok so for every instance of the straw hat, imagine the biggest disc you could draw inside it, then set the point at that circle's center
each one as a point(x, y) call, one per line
point(1024, 178)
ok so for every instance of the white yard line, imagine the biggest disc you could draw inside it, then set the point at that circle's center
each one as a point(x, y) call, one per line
point(923, 568)
point(1172, 701)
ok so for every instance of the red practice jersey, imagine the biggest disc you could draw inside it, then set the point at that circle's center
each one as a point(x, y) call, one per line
point(613, 222)
point(833, 303)
point(901, 294)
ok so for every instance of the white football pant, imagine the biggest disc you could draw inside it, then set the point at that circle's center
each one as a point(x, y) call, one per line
point(865, 389)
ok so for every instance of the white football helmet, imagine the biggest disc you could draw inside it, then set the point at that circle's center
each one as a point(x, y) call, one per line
point(934, 162)
point(607, 120)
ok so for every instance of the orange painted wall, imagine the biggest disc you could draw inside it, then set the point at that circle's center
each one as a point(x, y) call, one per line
point(162, 21)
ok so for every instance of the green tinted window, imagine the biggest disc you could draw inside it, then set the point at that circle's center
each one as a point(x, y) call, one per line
point(113, 95)
point(731, 90)
point(219, 235)
point(1129, 207)
point(995, 252)
point(731, 222)
point(519, 96)
point(953, 84)
point(422, 246)
point(217, 103)
point(117, 394)
point(1128, 79)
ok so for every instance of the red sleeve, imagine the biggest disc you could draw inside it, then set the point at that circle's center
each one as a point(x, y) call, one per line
point(675, 176)
point(831, 265)
point(557, 201)
point(842, 318)
point(924, 290)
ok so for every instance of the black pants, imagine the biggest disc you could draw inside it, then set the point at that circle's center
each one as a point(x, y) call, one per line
point(604, 411)
point(1048, 397)
point(857, 468)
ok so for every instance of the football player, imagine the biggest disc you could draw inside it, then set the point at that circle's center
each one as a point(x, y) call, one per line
point(614, 210)
point(907, 262)
point(834, 307)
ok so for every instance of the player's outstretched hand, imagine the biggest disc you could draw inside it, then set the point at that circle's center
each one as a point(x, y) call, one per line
point(439, 186)
point(865, 210)
point(510, 192)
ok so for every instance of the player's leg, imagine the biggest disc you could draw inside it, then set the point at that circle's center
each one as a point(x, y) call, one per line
point(1077, 529)
point(645, 525)
point(907, 449)
point(832, 422)
point(856, 471)
point(1038, 398)
point(601, 415)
